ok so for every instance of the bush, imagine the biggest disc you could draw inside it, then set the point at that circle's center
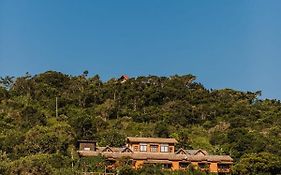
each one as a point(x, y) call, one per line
point(150, 170)
point(127, 170)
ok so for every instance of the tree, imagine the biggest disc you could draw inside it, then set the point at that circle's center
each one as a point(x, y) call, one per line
point(112, 138)
point(30, 117)
point(261, 163)
point(4, 160)
point(107, 109)
point(92, 164)
point(161, 130)
point(150, 169)
point(127, 170)
point(35, 164)
point(7, 81)
point(3, 93)
point(54, 139)
point(225, 121)
point(183, 139)
point(84, 125)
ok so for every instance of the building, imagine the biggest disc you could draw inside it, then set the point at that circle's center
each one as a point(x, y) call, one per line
point(144, 150)
point(123, 78)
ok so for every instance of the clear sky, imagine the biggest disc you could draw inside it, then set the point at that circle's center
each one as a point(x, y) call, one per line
point(225, 43)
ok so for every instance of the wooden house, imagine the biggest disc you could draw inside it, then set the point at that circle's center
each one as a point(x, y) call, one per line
point(143, 150)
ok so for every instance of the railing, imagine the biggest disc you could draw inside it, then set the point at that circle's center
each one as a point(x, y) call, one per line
point(224, 170)
point(97, 173)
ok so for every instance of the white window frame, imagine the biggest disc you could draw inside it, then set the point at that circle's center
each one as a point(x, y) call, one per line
point(143, 147)
point(164, 148)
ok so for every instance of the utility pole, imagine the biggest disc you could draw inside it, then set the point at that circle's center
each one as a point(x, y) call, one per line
point(72, 159)
point(56, 107)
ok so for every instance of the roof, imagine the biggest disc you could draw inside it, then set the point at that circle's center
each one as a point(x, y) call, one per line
point(157, 156)
point(158, 161)
point(112, 149)
point(196, 152)
point(181, 155)
point(181, 151)
point(127, 149)
point(86, 141)
point(151, 140)
point(125, 77)
point(221, 158)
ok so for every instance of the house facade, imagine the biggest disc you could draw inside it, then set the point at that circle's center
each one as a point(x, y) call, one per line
point(144, 150)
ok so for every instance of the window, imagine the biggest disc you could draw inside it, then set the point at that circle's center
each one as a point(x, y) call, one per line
point(223, 166)
point(203, 165)
point(87, 149)
point(164, 148)
point(153, 148)
point(135, 148)
point(166, 166)
point(184, 164)
point(143, 147)
point(110, 162)
point(170, 149)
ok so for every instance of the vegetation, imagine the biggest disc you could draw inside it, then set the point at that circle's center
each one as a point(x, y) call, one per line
point(34, 140)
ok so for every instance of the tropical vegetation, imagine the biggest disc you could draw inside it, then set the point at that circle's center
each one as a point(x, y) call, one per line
point(35, 138)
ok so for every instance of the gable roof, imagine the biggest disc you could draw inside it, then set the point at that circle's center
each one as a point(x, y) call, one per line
point(126, 149)
point(201, 151)
point(107, 149)
point(151, 140)
point(181, 151)
point(86, 141)
point(196, 152)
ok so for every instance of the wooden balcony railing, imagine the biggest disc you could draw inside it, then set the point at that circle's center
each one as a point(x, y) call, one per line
point(97, 173)
point(224, 170)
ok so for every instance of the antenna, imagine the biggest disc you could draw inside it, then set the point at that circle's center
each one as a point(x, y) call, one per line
point(56, 107)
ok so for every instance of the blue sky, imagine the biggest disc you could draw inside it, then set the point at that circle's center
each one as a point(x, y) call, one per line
point(225, 43)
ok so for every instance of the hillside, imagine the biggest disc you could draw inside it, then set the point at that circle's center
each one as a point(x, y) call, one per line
point(33, 138)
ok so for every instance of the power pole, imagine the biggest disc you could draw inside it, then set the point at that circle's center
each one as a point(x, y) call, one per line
point(56, 107)
point(72, 159)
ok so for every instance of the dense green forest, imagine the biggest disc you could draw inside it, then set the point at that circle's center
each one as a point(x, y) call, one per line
point(34, 139)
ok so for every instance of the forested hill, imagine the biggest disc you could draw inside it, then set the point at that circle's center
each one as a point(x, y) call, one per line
point(221, 121)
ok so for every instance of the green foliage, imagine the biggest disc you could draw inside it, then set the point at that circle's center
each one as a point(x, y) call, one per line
point(261, 163)
point(42, 139)
point(37, 164)
point(6, 82)
point(183, 137)
point(92, 164)
point(32, 117)
point(161, 130)
point(127, 170)
point(221, 121)
point(150, 169)
point(3, 93)
point(84, 126)
point(112, 138)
